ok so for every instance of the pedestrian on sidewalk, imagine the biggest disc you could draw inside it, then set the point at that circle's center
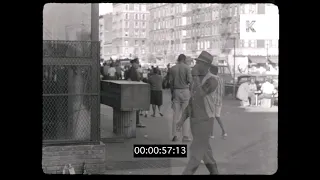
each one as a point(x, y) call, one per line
point(105, 71)
point(180, 79)
point(252, 89)
point(112, 72)
point(155, 81)
point(217, 99)
point(118, 71)
point(134, 75)
point(201, 111)
point(244, 94)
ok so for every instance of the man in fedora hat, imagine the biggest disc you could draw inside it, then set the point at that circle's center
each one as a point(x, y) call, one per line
point(201, 111)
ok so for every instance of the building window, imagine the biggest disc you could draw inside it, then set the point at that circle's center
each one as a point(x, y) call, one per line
point(126, 50)
point(136, 7)
point(143, 51)
point(229, 27)
point(136, 25)
point(143, 42)
point(143, 33)
point(126, 43)
point(126, 33)
point(235, 10)
point(246, 9)
point(127, 24)
point(143, 7)
point(136, 42)
point(251, 43)
point(127, 16)
point(260, 44)
point(270, 44)
point(131, 7)
point(235, 27)
point(252, 8)
point(136, 33)
point(242, 9)
point(135, 16)
point(127, 7)
point(230, 11)
point(143, 24)
point(246, 43)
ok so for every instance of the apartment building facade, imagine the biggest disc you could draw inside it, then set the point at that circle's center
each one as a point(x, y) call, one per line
point(130, 30)
point(105, 36)
point(192, 28)
point(166, 29)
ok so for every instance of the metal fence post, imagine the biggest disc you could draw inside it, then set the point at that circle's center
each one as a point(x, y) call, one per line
point(95, 49)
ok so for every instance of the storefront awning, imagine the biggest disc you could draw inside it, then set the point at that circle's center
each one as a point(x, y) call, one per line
point(273, 60)
point(257, 59)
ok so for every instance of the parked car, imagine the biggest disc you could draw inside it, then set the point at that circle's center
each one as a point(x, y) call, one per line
point(259, 79)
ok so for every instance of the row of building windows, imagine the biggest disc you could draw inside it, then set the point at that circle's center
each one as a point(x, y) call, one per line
point(207, 45)
point(136, 51)
point(136, 43)
point(232, 10)
point(137, 16)
point(136, 7)
point(182, 21)
point(168, 10)
point(136, 24)
point(205, 31)
point(166, 24)
point(137, 33)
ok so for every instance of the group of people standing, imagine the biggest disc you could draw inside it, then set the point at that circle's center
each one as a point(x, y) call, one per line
point(247, 92)
point(111, 71)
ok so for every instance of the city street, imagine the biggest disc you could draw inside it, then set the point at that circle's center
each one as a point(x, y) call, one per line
point(250, 148)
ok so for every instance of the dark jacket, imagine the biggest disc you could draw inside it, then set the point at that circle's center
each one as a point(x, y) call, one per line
point(133, 75)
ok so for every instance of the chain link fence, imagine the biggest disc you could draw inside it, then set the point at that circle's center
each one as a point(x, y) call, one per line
point(71, 91)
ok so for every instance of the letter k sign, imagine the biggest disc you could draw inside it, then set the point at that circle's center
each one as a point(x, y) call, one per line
point(249, 26)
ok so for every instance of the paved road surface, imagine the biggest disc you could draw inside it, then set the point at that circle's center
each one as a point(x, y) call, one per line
point(250, 148)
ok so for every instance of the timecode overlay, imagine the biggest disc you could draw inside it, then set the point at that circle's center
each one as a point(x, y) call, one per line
point(160, 150)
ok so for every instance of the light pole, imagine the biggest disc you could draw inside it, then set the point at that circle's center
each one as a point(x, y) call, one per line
point(234, 67)
point(267, 49)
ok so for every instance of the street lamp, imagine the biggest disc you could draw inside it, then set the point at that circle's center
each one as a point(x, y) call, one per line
point(234, 67)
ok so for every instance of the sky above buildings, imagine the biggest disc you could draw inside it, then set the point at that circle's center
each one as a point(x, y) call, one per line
point(105, 8)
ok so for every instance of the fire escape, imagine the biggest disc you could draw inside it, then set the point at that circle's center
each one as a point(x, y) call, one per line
point(195, 25)
point(224, 29)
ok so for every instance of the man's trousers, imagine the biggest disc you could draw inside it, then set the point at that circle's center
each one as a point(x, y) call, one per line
point(200, 148)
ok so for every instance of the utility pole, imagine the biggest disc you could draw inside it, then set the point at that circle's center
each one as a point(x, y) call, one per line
point(267, 49)
point(234, 67)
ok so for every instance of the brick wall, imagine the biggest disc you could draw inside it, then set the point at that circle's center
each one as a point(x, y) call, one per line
point(54, 158)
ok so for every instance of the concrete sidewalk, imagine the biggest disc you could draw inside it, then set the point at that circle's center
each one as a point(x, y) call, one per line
point(250, 148)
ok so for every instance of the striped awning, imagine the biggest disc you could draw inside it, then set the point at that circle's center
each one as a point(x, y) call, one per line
point(257, 59)
point(273, 60)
